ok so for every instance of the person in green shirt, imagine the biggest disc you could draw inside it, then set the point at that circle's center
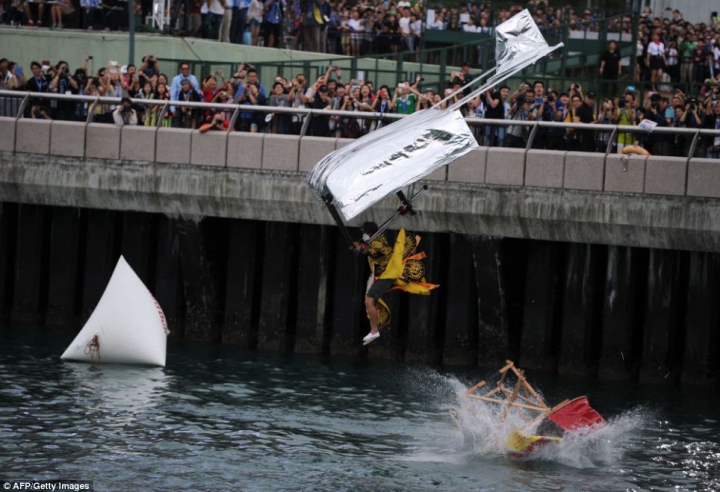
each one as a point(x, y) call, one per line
point(687, 47)
point(406, 98)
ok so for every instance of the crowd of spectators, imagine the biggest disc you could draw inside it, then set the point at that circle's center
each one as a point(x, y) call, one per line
point(672, 50)
point(347, 27)
point(525, 102)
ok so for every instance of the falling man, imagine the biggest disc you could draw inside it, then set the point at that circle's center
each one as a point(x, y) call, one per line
point(397, 267)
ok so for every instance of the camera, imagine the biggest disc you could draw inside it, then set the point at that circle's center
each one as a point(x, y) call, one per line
point(621, 103)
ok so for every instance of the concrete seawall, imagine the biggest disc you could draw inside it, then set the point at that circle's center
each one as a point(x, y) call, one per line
point(608, 311)
point(577, 263)
point(657, 202)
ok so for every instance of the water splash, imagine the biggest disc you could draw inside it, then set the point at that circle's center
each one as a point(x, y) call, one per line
point(598, 445)
point(477, 429)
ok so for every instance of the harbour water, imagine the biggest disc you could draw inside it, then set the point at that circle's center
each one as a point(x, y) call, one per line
point(218, 418)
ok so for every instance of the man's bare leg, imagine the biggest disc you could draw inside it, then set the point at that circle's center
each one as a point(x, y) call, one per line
point(372, 312)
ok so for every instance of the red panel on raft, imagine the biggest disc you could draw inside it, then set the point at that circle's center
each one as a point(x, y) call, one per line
point(575, 415)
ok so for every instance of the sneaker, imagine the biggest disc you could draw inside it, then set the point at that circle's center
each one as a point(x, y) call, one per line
point(371, 337)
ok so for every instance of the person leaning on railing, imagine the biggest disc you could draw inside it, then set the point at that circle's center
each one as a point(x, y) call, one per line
point(124, 114)
point(519, 111)
point(626, 117)
point(279, 122)
point(559, 103)
point(607, 114)
point(495, 110)
point(250, 92)
point(712, 122)
point(214, 121)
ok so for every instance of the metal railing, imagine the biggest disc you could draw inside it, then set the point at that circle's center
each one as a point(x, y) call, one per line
point(382, 118)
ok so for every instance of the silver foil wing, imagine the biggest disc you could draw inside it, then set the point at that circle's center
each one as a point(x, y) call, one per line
point(518, 43)
point(382, 162)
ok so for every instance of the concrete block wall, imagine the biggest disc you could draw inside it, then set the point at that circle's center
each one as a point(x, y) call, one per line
point(469, 168)
point(138, 143)
point(704, 178)
point(625, 173)
point(208, 149)
point(313, 149)
point(505, 166)
point(666, 175)
point(493, 166)
point(584, 171)
point(281, 152)
point(7, 134)
point(173, 146)
point(245, 150)
point(67, 138)
point(103, 141)
point(545, 168)
point(32, 136)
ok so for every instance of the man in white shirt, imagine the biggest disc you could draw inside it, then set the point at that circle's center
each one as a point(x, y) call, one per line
point(215, 10)
point(176, 84)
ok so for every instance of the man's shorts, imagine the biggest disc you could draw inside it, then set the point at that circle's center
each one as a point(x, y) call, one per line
point(379, 287)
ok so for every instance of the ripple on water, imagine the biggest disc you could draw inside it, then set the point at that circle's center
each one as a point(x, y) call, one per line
point(264, 422)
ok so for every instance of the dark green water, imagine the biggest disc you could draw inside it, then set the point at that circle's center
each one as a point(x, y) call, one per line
point(219, 419)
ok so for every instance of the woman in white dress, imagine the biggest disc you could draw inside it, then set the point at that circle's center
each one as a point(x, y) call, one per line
point(656, 58)
point(357, 29)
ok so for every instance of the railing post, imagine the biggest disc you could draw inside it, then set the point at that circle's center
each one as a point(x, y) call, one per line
point(162, 115)
point(92, 110)
point(531, 138)
point(693, 145)
point(611, 140)
point(233, 119)
point(23, 107)
point(306, 123)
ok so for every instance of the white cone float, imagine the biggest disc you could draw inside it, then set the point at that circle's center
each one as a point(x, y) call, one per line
point(128, 322)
